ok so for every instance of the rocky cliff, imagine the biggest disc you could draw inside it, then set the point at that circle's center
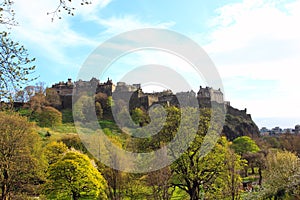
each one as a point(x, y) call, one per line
point(239, 123)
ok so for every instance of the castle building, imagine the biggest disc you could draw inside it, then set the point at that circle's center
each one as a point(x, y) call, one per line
point(65, 89)
point(208, 95)
point(134, 94)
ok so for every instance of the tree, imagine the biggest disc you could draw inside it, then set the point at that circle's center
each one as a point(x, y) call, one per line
point(245, 147)
point(159, 181)
point(230, 179)
point(197, 175)
point(290, 142)
point(75, 176)
point(29, 92)
point(244, 144)
point(105, 104)
point(99, 110)
point(116, 179)
point(19, 96)
point(140, 117)
point(74, 141)
point(282, 177)
point(15, 69)
point(19, 163)
point(49, 117)
point(65, 5)
point(84, 108)
point(55, 151)
point(7, 13)
point(37, 103)
point(258, 160)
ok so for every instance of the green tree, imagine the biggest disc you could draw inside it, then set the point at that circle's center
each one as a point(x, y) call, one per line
point(75, 176)
point(49, 117)
point(84, 108)
point(140, 117)
point(105, 105)
point(20, 165)
point(283, 169)
point(230, 180)
point(258, 160)
point(282, 177)
point(197, 174)
point(246, 147)
point(55, 151)
point(244, 144)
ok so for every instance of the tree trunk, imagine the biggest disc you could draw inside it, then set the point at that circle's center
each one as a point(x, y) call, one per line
point(232, 186)
point(75, 196)
point(4, 187)
point(260, 176)
point(4, 195)
point(246, 172)
point(195, 193)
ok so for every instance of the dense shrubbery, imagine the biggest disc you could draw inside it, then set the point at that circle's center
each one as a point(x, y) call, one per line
point(49, 117)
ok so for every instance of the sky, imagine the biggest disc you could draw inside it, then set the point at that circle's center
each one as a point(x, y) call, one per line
point(254, 44)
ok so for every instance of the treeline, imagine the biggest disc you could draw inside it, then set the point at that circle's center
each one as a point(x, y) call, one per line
point(37, 165)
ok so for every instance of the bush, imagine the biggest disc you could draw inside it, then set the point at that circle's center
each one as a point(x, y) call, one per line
point(73, 141)
point(67, 116)
point(49, 117)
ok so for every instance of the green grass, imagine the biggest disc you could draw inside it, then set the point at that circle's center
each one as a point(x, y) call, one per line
point(106, 124)
point(250, 178)
point(56, 132)
point(65, 128)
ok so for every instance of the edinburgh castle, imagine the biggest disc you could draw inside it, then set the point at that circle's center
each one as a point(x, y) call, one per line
point(135, 94)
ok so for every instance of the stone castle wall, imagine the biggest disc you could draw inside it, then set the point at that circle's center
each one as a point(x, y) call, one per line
point(135, 95)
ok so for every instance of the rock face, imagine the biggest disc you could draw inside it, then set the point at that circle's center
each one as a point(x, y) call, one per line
point(239, 123)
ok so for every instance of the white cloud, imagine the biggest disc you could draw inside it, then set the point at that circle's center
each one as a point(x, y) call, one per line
point(115, 25)
point(53, 38)
point(259, 41)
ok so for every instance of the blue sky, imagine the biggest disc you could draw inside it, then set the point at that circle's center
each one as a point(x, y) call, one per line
point(255, 44)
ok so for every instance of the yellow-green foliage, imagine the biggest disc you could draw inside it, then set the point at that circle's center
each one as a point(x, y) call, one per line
point(244, 144)
point(20, 159)
point(54, 151)
point(283, 173)
point(49, 117)
point(74, 175)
